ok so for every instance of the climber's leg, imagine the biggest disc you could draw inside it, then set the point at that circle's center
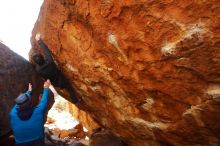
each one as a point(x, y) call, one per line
point(72, 93)
point(64, 83)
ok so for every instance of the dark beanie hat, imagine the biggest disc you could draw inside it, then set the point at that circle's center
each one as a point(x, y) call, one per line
point(23, 100)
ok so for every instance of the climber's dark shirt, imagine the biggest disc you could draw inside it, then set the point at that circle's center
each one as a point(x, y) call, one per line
point(49, 69)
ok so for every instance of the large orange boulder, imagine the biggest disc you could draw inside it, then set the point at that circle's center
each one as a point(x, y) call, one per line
point(147, 70)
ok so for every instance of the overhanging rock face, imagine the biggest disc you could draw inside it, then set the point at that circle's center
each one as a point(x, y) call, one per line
point(15, 74)
point(147, 70)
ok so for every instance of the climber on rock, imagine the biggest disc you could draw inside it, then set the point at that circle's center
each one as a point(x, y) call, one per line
point(27, 122)
point(47, 68)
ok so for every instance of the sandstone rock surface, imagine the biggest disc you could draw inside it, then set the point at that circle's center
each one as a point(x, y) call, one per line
point(105, 138)
point(15, 74)
point(147, 70)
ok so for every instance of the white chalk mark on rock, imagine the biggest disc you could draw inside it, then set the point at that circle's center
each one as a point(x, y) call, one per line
point(71, 68)
point(214, 92)
point(148, 104)
point(192, 110)
point(168, 48)
point(195, 112)
point(112, 39)
point(200, 29)
point(95, 88)
point(157, 124)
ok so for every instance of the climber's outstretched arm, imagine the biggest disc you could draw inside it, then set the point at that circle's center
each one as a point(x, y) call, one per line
point(45, 49)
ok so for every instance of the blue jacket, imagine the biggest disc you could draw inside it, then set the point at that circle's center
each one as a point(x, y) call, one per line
point(33, 128)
